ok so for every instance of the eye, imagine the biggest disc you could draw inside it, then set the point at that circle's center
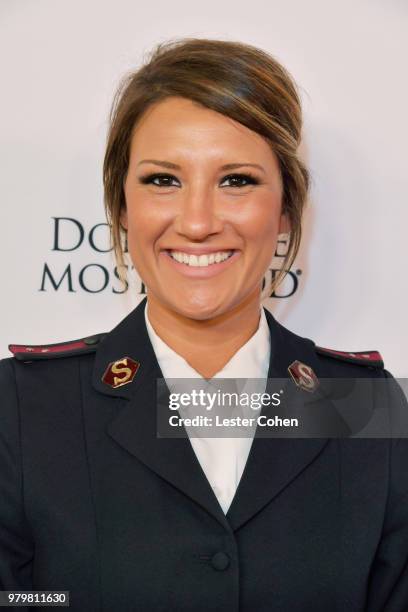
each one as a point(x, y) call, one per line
point(249, 178)
point(164, 179)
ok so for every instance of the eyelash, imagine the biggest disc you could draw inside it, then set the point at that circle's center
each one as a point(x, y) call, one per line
point(250, 178)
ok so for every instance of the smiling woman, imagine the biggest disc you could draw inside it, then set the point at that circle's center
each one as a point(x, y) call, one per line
point(202, 231)
point(205, 170)
point(201, 175)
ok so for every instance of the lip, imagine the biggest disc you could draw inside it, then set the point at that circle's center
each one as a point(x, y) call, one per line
point(200, 272)
point(199, 250)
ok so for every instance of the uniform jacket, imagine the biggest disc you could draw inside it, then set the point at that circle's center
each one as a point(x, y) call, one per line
point(93, 502)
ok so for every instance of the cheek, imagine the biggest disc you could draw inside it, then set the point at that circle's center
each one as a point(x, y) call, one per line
point(145, 222)
point(261, 219)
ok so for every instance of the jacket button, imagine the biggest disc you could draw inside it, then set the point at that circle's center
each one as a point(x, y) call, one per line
point(220, 561)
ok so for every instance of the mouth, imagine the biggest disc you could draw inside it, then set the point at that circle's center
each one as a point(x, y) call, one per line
point(200, 260)
point(198, 264)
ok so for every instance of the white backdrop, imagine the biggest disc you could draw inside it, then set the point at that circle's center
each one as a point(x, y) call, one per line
point(60, 64)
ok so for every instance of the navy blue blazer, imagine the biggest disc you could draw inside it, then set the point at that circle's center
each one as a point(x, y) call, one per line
point(93, 502)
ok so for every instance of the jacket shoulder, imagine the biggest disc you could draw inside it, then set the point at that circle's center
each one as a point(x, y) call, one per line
point(68, 348)
point(329, 362)
point(372, 359)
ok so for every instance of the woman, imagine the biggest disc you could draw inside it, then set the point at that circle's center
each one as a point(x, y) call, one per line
point(201, 174)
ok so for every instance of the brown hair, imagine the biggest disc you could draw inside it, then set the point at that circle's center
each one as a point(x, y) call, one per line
point(232, 78)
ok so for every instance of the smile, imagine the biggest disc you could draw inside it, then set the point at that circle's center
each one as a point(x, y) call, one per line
point(200, 265)
point(200, 261)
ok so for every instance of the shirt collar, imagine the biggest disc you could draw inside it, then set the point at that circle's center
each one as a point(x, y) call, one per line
point(250, 361)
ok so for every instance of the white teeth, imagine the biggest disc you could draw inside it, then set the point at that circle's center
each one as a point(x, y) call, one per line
point(200, 260)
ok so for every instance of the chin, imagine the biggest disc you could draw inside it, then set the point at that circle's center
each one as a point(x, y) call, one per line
point(201, 309)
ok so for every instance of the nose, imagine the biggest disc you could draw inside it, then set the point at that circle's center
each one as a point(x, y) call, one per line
point(199, 214)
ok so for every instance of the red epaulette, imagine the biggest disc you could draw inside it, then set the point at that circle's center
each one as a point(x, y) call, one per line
point(369, 358)
point(32, 352)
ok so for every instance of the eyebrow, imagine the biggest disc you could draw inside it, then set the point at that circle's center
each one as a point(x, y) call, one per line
point(167, 164)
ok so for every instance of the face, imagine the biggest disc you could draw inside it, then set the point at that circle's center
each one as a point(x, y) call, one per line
point(203, 208)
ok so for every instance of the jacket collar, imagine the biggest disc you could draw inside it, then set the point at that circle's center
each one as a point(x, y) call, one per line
point(130, 338)
point(272, 463)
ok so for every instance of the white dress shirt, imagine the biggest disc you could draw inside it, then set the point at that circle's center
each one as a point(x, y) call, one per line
point(222, 459)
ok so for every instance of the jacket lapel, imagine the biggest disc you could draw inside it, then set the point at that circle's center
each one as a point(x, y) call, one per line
point(135, 425)
point(272, 463)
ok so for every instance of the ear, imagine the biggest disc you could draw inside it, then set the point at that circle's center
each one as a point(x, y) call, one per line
point(124, 218)
point(284, 224)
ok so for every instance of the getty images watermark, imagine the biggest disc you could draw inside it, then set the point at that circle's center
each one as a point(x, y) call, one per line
point(227, 408)
point(277, 407)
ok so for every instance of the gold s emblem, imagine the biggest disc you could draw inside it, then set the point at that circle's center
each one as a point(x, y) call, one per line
point(125, 372)
point(120, 372)
point(303, 376)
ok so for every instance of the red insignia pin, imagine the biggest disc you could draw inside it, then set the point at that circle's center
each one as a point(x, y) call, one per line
point(120, 372)
point(303, 376)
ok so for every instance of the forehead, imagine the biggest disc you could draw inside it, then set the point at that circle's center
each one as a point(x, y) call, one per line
point(180, 126)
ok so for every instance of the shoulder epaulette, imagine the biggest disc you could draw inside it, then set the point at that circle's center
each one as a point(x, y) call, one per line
point(32, 352)
point(368, 358)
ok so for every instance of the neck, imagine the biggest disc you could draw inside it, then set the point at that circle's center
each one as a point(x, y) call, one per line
point(195, 340)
